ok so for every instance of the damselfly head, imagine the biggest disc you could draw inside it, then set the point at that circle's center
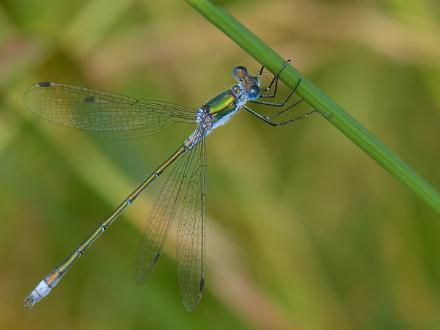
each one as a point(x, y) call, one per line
point(248, 82)
point(240, 73)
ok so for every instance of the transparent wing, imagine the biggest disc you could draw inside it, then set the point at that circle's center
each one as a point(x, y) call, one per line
point(160, 218)
point(102, 113)
point(181, 197)
point(190, 231)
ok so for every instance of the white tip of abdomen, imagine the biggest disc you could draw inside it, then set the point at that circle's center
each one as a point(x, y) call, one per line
point(40, 291)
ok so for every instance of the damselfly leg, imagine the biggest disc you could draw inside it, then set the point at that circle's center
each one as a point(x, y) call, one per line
point(272, 82)
point(275, 117)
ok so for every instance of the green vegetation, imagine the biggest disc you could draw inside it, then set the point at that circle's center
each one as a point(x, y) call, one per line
point(304, 231)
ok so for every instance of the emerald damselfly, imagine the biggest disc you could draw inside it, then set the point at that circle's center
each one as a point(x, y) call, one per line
point(183, 195)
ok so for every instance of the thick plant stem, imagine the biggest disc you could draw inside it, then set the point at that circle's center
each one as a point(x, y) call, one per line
point(319, 101)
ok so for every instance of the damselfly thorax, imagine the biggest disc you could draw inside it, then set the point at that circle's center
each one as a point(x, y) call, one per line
point(220, 109)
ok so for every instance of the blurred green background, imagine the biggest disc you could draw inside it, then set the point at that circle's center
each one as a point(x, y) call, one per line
point(304, 231)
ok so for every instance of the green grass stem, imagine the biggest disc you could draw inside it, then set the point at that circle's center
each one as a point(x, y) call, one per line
point(317, 99)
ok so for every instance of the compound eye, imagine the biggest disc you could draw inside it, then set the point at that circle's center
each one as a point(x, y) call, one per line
point(239, 73)
point(254, 92)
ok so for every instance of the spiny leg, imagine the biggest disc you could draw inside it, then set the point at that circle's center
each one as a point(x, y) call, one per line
point(273, 81)
point(260, 73)
point(270, 119)
point(279, 104)
point(268, 88)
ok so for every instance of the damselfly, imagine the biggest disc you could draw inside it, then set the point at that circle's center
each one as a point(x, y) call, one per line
point(183, 195)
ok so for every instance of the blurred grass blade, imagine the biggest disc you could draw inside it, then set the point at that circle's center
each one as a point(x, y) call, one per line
point(90, 25)
point(319, 101)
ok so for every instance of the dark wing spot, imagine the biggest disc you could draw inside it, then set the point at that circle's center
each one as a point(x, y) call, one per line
point(44, 84)
point(156, 257)
point(202, 284)
point(89, 99)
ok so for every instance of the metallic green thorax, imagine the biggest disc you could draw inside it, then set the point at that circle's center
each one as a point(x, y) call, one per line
point(222, 105)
